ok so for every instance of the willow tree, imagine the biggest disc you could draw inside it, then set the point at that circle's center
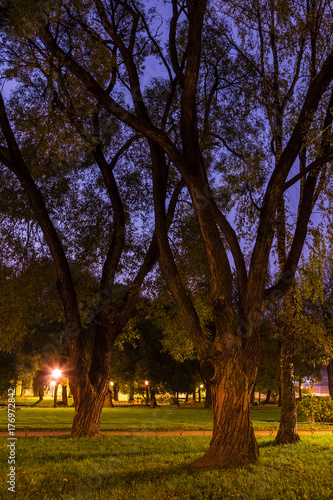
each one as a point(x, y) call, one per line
point(202, 89)
point(288, 44)
point(84, 204)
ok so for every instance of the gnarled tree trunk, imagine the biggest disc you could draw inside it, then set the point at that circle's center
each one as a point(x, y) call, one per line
point(233, 441)
point(88, 410)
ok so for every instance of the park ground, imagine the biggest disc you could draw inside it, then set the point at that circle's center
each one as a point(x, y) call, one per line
point(147, 467)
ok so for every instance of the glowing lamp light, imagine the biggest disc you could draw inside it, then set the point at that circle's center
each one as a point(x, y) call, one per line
point(201, 386)
point(56, 373)
point(53, 383)
point(146, 382)
point(111, 383)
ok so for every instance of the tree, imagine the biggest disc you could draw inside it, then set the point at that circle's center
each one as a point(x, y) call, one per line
point(315, 287)
point(88, 381)
point(229, 357)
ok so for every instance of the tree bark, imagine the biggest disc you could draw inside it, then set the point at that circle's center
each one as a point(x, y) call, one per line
point(252, 395)
point(329, 369)
point(300, 389)
point(287, 432)
point(233, 441)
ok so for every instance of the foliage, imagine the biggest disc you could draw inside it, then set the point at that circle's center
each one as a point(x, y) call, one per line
point(316, 408)
point(8, 372)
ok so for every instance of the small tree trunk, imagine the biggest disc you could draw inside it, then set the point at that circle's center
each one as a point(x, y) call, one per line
point(208, 400)
point(21, 390)
point(55, 395)
point(115, 393)
point(259, 398)
point(153, 402)
point(186, 397)
point(300, 388)
point(194, 395)
point(233, 441)
point(131, 395)
point(268, 396)
point(41, 393)
point(287, 432)
point(280, 397)
point(329, 369)
point(64, 397)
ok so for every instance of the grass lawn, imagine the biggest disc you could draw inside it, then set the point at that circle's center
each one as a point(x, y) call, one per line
point(118, 418)
point(146, 468)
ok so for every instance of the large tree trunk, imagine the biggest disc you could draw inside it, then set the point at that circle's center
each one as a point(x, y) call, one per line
point(287, 432)
point(329, 369)
point(233, 441)
point(88, 410)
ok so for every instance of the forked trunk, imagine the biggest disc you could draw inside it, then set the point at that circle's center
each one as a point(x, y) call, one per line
point(287, 432)
point(233, 441)
point(330, 378)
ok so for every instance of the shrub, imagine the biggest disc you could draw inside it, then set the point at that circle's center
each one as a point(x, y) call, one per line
point(316, 408)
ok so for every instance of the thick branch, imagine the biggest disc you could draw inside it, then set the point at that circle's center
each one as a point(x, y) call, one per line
point(313, 165)
point(15, 162)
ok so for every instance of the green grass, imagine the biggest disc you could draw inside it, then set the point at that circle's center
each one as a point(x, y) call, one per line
point(126, 418)
point(145, 468)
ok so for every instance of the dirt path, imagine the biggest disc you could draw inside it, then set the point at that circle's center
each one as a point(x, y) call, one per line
point(130, 432)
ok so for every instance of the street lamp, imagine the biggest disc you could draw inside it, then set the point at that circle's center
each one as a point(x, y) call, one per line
point(147, 393)
point(56, 374)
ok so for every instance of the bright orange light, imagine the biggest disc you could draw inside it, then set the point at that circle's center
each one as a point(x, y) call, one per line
point(111, 383)
point(146, 382)
point(56, 373)
point(53, 383)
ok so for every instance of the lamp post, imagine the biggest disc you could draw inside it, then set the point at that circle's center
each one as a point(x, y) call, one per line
point(200, 388)
point(111, 393)
point(147, 392)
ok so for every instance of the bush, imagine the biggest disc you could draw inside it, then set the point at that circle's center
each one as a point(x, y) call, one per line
point(316, 408)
